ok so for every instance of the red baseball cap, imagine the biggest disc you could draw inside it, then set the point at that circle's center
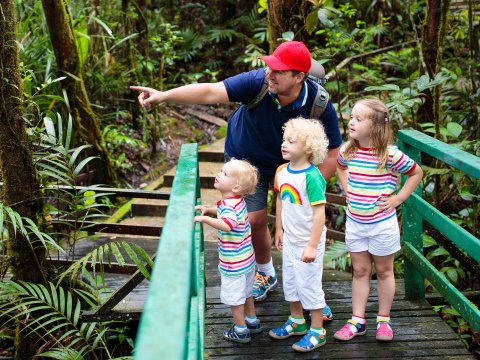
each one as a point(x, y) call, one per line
point(290, 55)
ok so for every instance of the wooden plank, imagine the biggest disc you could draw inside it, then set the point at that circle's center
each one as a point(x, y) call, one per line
point(114, 228)
point(113, 268)
point(206, 117)
point(123, 291)
point(128, 193)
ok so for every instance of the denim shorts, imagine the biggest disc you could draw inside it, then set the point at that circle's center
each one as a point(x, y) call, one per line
point(258, 200)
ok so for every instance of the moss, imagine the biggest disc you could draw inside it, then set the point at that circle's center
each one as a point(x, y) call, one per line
point(221, 132)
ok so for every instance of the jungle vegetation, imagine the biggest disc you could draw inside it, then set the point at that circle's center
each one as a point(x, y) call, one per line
point(67, 116)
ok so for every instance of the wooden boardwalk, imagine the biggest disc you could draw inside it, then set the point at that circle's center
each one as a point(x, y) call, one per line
point(419, 331)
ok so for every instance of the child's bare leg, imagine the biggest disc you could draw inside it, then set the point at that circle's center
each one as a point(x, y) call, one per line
point(317, 318)
point(250, 307)
point(238, 313)
point(386, 282)
point(296, 309)
point(362, 271)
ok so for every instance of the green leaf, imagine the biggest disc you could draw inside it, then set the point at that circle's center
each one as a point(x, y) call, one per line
point(50, 129)
point(311, 22)
point(385, 87)
point(80, 166)
point(437, 252)
point(454, 128)
point(75, 154)
point(91, 200)
point(422, 82)
point(103, 25)
point(428, 241)
point(288, 35)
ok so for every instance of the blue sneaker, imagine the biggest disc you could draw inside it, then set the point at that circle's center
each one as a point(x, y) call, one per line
point(310, 341)
point(232, 335)
point(288, 329)
point(254, 328)
point(262, 284)
point(327, 314)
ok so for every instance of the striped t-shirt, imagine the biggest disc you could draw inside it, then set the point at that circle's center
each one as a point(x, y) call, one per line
point(235, 249)
point(299, 191)
point(367, 184)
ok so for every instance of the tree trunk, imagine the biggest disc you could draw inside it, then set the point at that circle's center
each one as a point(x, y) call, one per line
point(284, 15)
point(20, 189)
point(432, 46)
point(59, 21)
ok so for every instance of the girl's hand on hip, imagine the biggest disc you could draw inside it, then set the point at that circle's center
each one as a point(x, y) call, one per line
point(387, 203)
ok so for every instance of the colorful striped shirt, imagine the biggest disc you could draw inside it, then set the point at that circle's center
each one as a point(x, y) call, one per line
point(299, 191)
point(235, 250)
point(367, 184)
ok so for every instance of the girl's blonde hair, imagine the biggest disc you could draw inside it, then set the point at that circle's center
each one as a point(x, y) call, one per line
point(380, 132)
point(312, 133)
point(245, 173)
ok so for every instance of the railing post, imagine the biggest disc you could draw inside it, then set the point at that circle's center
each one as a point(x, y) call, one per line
point(412, 233)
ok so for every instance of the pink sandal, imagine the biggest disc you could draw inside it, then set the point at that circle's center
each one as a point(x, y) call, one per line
point(350, 330)
point(384, 331)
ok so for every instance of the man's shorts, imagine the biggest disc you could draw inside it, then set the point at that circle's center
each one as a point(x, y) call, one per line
point(258, 200)
point(301, 281)
point(234, 290)
point(379, 239)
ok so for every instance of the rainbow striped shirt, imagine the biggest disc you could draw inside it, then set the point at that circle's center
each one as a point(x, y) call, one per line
point(235, 249)
point(299, 191)
point(367, 184)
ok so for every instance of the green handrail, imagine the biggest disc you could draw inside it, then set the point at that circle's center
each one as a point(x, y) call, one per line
point(172, 322)
point(415, 210)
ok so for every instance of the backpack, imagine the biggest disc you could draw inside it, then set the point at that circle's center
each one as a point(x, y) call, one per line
point(317, 74)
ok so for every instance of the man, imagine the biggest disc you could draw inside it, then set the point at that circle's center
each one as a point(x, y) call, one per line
point(255, 134)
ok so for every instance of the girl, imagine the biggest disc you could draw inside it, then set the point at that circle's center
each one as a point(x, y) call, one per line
point(368, 167)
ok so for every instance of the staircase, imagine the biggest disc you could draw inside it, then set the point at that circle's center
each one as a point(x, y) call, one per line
point(152, 212)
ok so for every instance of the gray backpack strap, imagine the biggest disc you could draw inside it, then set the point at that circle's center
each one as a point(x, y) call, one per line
point(320, 103)
point(256, 100)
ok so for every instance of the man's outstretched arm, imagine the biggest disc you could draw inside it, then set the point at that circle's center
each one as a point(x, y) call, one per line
point(203, 93)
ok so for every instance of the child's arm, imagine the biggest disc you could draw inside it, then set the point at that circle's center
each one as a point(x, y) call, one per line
point(218, 224)
point(207, 210)
point(278, 224)
point(343, 177)
point(310, 252)
point(411, 184)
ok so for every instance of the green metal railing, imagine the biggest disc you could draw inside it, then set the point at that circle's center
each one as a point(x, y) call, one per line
point(415, 210)
point(172, 322)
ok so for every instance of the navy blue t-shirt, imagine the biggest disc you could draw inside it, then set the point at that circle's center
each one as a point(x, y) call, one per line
point(256, 134)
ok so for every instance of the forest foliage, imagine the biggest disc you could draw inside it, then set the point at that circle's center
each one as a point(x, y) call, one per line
point(369, 48)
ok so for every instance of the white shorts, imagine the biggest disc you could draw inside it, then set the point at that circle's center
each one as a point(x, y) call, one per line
point(234, 290)
point(379, 239)
point(301, 281)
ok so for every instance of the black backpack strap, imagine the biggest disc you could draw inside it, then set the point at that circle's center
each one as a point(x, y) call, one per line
point(256, 100)
point(320, 103)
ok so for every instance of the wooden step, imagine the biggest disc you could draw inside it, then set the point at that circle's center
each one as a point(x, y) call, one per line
point(208, 171)
point(213, 153)
point(149, 207)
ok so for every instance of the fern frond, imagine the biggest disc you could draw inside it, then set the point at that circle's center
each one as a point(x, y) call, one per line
point(103, 255)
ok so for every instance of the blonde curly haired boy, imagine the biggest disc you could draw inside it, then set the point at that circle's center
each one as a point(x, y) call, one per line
point(300, 230)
